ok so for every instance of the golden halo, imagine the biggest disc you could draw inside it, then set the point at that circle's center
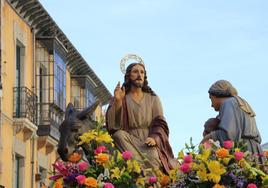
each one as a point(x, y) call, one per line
point(127, 58)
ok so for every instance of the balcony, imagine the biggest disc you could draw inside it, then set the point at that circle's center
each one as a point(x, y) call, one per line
point(24, 104)
point(49, 120)
point(24, 111)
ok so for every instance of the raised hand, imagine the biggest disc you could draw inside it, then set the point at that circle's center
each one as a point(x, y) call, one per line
point(119, 93)
point(150, 141)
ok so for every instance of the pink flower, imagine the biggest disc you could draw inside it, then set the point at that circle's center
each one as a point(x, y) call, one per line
point(188, 159)
point(99, 150)
point(83, 166)
point(153, 179)
point(238, 155)
point(185, 167)
point(227, 144)
point(108, 185)
point(80, 179)
point(252, 185)
point(127, 155)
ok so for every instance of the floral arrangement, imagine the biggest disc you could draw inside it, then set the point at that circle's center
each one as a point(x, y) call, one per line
point(105, 166)
point(209, 165)
point(218, 167)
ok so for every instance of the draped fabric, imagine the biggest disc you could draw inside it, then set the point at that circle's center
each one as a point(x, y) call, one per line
point(131, 125)
point(237, 125)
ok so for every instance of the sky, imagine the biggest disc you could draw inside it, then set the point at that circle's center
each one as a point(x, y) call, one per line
point(186, 46)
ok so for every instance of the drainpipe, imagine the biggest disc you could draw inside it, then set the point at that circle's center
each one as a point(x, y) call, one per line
point(1, 122)
point(34, 89)
point(34, 63)
point(33, 139)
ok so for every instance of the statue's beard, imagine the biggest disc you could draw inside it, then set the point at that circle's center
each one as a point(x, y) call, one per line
point(137, 84)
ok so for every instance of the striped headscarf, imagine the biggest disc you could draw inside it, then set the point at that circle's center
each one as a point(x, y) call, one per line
point(223, 88)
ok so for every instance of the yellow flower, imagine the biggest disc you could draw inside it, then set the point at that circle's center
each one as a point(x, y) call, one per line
point(265, 181)
point(133, 165)
point(195, 166)
point(140, 182)
point(104, 137)
point(226, 160)
point(242, 163)
point(173, 175)
point(202, 172)
point(102, 158)
point(237, 150)
point(158, 173)
point(136, 167)
point(116, 172)
point(58, 183)
point(218, 186)
point(202, 175)
point(88, 136)
point(216, 170)
point(91, 182)
point(204, 155)
point(214, 177)
point(181, 154)
point(222, 153)
point(119, 156)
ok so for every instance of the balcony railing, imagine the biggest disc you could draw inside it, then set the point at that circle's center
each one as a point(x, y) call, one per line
point(49, 119)
point(25, 104)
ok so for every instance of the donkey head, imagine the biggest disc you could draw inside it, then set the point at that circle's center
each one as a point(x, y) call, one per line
point(74, 124)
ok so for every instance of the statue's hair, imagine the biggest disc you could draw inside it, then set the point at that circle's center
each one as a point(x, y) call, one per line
point(127, 83)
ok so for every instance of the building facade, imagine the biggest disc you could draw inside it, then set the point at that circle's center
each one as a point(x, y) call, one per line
point(41, 72)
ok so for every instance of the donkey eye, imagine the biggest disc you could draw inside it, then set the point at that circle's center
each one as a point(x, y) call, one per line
point(74, 129)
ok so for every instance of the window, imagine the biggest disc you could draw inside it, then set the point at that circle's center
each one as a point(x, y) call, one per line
point(19, 75)
point(81, 95)
point(59, 81)
point(43, 176)
point(18, 173)
point(90, 99)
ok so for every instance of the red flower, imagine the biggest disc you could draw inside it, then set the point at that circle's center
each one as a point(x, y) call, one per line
point(188, 159)
point(108, 185)
point(152, 179)
point(83, 166)
point(238, 155)
point(185, 167)
point(227, 144)
point(127, 155)
point(252, 185)
point(99, 150)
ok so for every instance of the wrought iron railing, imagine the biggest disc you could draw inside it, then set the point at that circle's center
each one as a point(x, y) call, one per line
point(24, 104)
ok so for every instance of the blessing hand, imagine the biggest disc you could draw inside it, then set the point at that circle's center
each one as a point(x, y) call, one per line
point(119, 93)
point(150, 141)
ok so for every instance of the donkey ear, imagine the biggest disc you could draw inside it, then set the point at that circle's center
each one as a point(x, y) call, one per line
point(69, 110)
point(89, 110)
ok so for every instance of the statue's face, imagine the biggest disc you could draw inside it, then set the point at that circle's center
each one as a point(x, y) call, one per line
point(137, 75)
point(215, 102)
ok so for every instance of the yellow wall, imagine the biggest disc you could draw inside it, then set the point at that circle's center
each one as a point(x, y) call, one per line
point(23, 33)
point(13, 29)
